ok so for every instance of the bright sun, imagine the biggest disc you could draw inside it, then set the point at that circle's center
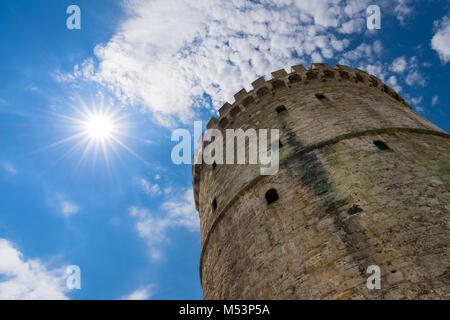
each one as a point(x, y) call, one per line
point(99, 127)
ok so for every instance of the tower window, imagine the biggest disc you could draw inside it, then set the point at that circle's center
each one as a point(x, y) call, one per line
point(381, 145)
point(214, 204)
point(354, 210)
point(281, 109)
point(320, 96)
point(214, 165)
point(272, 196)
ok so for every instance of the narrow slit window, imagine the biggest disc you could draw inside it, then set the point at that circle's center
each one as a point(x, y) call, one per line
point(272, 196)
point(381, 145)
point(321, 96)
point(281, 109)
point(214, 165)
point(214, 204)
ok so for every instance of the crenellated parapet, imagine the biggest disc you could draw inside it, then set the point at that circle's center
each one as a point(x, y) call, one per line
point(299, 75)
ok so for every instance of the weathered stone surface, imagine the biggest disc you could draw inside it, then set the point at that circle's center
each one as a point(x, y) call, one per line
point(343, 205)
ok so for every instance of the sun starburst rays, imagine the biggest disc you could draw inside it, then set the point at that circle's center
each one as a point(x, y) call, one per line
point(95, 130)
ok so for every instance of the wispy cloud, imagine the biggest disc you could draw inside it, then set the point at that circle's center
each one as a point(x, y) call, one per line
point(434, 100)
point(144, 293)
point(403, 10)
point(416, 103)
point(22, 279)
point(173, 213)
point(152, 190)
point(419, 109)
point(399, 65)
point(393, 82)
point(417, 100)
point(68, 209)
point(9, 168)
point(441, 39)
point(410, 69)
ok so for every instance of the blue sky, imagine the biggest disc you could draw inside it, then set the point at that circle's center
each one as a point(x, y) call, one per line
point(127, 219)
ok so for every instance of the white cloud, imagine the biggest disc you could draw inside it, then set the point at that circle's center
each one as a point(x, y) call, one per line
point(416, 100)
point(378, 69)
point(144, 293)
point(420, 109)
point(62, 205)
point(399, 65)
point(173, 213)
point(152, 190)
point(441, 40)
point(414, 76)
point(166, 55)
point(22, 279)
point(392, 81)
point(403, 9)
point(168, 190)
point(9, 168)
point(434, 100)
point(366, 51)
point(68, 209)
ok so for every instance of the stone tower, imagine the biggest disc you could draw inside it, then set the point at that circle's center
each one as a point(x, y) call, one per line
point(363, 180)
